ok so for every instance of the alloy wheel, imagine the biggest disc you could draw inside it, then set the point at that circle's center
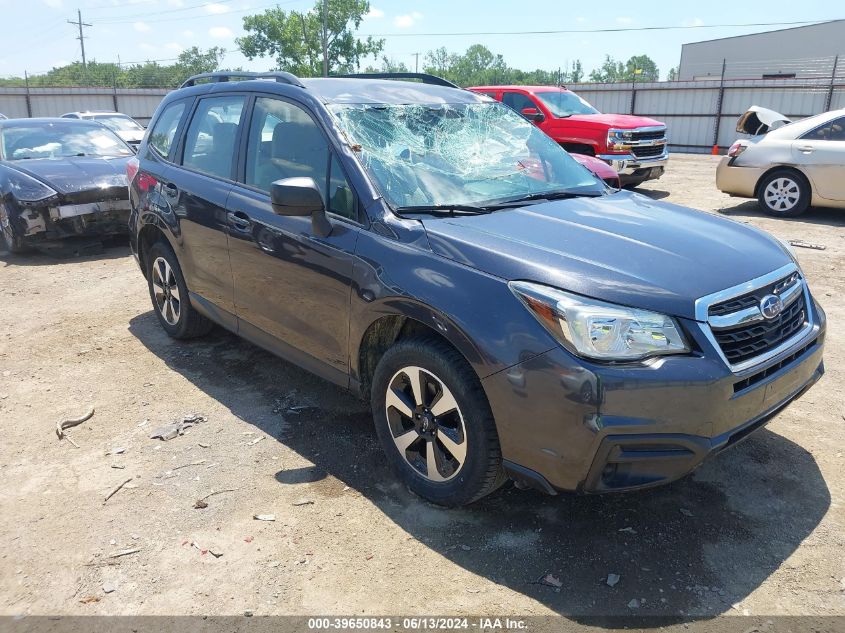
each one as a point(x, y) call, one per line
point(166, 291)
point(426, 424)
point(782, 194)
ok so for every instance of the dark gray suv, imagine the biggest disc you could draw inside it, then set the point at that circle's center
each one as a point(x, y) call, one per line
point(505, 312)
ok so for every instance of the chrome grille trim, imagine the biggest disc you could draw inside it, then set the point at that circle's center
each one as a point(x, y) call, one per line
point(753, 314)
point(792, 293)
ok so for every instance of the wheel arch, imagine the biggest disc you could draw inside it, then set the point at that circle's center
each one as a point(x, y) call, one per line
point(791, 168)
point(149, 234)
point(405, 319)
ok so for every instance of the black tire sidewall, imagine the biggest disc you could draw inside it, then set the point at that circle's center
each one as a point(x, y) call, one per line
point(472, 481)
point(179, 330)
point(803, 198)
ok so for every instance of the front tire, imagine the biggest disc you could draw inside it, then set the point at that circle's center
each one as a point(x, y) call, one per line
point(9, 243)
point(169, 295)
point(435, 424)
point(784, 193)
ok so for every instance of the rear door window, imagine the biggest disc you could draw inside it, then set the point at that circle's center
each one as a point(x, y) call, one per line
point(210, 140)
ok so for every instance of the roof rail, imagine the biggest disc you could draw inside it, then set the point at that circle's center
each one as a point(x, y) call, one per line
point(223, 76)
point(424, 77)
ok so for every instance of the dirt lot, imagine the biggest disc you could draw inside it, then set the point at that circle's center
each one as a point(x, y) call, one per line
point(760, 530)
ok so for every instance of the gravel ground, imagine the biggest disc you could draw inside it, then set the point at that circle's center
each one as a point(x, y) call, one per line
point(759, 530)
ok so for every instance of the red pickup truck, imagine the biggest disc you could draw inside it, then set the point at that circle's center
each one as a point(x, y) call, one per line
point(634, 146)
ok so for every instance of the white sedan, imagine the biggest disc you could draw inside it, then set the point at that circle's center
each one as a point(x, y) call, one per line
point(787, 166)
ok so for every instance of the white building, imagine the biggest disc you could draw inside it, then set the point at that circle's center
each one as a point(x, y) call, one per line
point(803, 51)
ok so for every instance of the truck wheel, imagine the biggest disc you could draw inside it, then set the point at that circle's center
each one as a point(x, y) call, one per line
point(169, 295)
point(784, 193)
point(435, 423)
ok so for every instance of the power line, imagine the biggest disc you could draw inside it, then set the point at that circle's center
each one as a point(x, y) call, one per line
point(603, 30)
point(123, 18)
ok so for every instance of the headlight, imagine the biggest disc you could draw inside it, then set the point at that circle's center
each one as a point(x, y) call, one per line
point(618, 140)
point(28, 189)
point(598, 330)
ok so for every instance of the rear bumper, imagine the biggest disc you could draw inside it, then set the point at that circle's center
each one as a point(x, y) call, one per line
point(633, 169)
point(565, 424)
point(737, 181)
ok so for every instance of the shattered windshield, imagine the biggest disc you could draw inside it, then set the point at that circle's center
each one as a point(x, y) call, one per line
point(457, 154)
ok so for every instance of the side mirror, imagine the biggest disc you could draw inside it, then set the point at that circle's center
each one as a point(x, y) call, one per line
point(533, 114)
point(301, 196)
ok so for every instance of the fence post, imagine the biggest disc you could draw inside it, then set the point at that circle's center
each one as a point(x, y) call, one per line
point(114, 90)
point(28, 99)
point(719, 99)
point(829, 97)
point(633, 94)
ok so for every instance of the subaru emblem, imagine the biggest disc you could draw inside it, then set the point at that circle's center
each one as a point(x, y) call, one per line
point(771, 306)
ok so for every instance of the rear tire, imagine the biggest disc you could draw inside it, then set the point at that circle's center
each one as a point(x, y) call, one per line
point(169, 295)
point(784, 193)
point(435, 424)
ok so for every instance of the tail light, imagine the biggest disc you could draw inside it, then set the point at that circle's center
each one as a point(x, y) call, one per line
point(736, 149)
point(132, 167)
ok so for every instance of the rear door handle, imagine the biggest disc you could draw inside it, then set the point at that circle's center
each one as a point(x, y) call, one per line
point(239, 221)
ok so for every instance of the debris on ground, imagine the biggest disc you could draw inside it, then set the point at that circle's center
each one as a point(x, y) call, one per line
point(89, 599)
point(634, 604)
point(116, 451)
point(116, 490)
point(264, 517)
point(466, 548)
point(627, 530)
point(199, 504)
point(203, 445)
point(550, 581)
point(248, 539)
point(109, 587)
point(685, 512)
point(612, 579)
point(68, 423)
point(256, 440)
point(303, 502)
point(118, 466)
point(206, 550)
point(803, 244)
point(125, 552)
point(169, 431)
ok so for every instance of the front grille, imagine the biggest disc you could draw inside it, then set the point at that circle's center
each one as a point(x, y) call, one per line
point(648, 151)
point(752, 298)
point(647, 135)
point(747, 341)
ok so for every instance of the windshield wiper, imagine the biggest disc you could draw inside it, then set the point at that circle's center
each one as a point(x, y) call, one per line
point(560, 194)
point(445, 209)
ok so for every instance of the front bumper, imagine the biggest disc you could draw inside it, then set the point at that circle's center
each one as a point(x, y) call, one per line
point(565, 424)
point(632, 169)
point(35, 224)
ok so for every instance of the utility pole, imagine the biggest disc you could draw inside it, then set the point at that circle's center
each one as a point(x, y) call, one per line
point(325, 38)
point(416, 62)
point(81, 39)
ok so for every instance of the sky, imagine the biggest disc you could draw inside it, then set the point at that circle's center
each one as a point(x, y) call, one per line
point(38, 37)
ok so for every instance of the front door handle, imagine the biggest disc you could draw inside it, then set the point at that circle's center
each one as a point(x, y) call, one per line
point(806, 149)
point(239, 221)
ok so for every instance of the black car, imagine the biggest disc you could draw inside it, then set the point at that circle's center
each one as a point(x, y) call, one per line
point(60, 178)
point(506, 313)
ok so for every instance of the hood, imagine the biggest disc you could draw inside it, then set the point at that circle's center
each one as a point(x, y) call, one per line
point(130, 136)
point(757, 120)
point(622, 121)
point(623, 248)
point(76, 174)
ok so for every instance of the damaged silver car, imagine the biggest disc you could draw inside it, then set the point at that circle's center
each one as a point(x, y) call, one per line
point(60, 178)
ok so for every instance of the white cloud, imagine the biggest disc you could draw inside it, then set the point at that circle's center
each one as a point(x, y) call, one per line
point(54, 4)
point(220, 32)
point(187, 33)
point(404, 21)
point(173, 46)
point(374, 13)
point(624, 19)
point(216, 8)
point(141, 27)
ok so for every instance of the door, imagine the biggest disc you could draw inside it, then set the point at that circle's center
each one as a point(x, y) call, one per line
point(197, 193)
point(289, 283)
point(822, 154)
point(525, 106)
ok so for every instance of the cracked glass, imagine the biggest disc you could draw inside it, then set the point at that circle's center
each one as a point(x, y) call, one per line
point(464, 154)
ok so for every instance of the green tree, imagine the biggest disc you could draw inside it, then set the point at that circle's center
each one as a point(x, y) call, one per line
point(194, 60)
point(297, 38)
point(388, 65)
point(637, 68)
point(576, 73)
point(673, 73)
